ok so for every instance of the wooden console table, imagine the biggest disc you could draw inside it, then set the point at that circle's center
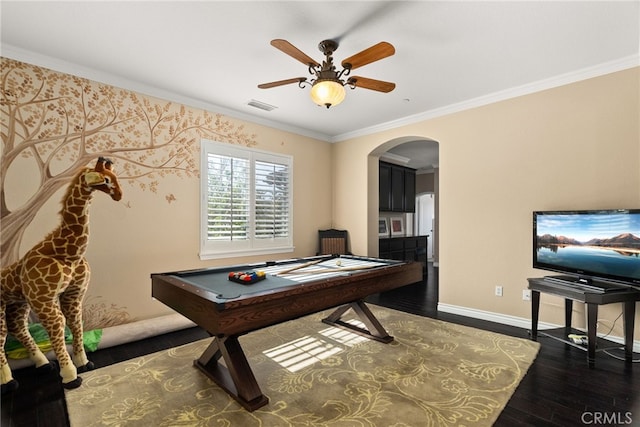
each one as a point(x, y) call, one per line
point(626, 295)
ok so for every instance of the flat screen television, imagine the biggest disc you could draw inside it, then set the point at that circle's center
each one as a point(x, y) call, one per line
point(588, 246)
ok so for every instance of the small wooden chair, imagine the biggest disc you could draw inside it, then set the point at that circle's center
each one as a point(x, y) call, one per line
point(333, 242)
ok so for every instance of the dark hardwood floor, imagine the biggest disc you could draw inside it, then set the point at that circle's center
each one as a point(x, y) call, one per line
point(559, 389)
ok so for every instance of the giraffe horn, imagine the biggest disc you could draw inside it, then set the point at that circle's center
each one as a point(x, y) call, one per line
point(99, 164)
point(103, 163)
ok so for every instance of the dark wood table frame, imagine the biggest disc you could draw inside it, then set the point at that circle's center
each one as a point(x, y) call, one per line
point(227, 320)
point(626, 295)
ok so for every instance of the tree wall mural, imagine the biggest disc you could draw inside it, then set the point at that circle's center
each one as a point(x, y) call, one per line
point(62, 122)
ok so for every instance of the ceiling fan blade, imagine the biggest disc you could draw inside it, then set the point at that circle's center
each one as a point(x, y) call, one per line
point(294, 52)
point(378, 85)
point(282, 82)
point(367, 56)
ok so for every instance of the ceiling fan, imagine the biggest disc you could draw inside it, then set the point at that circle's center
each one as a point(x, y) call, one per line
point(327, 84)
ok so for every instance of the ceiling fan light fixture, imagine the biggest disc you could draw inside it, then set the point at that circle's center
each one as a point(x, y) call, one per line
point(327, 92)
point(327, 85)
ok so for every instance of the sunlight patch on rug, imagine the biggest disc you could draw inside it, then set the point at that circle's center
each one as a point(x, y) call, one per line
point(343, 336)
point(303, 352)
point(434, 374)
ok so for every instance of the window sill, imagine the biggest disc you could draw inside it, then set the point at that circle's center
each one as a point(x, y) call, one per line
point(244, 253)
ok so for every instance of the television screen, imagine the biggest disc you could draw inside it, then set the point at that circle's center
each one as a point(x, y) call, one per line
point(590, 245)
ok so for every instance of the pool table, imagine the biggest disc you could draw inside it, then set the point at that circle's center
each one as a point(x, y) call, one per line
point(291, 289)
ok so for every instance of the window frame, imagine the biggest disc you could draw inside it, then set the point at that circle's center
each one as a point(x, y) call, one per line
point(210, 249)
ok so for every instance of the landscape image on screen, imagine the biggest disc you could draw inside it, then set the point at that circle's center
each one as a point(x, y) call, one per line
point(607, 244)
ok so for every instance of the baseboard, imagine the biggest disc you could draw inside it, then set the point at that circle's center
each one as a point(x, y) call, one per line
point(122, 334)
point(519, 322)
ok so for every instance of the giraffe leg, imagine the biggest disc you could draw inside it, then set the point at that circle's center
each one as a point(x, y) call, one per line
point(71, 306)
point(17, 321)
point(43, 280)
point(53, 321)
point(9, 384)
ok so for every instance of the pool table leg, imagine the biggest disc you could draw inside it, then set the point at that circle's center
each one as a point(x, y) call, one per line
point(237, 378)
point(374, 330)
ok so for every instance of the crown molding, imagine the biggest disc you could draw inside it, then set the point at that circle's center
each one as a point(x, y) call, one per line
point(394, 158)
point(560, 80)
point(59, 65)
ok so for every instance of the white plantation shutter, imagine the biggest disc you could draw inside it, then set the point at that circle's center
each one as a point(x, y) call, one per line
point(272, 200)
point(246, 198)
point(228, 197)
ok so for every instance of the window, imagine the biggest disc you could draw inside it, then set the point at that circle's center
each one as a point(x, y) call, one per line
point(246, 201)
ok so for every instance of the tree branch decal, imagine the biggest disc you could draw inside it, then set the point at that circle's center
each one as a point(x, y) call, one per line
point(62, 122)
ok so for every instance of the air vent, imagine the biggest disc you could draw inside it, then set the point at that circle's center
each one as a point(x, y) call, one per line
point(261, 105)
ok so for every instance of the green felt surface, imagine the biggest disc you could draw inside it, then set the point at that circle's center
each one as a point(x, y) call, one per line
point(219, 283)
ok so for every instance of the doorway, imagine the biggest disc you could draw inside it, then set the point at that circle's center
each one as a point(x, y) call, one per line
point(419, 153)
point(425, 220)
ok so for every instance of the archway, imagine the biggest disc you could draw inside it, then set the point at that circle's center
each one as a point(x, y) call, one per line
point(419, 153)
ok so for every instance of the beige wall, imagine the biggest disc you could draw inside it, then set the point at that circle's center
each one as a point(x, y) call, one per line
point(153, 236)
point(576, 146)
point(155, 227)
point(425, 183)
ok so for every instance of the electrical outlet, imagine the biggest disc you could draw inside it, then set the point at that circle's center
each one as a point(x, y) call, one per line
point(498, 291)
point(526, 295)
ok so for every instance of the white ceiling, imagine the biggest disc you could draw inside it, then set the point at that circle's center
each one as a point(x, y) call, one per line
point(450, 55)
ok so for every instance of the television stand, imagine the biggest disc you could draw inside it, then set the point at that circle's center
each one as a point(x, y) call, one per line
point(574, 292)
point(587, 285)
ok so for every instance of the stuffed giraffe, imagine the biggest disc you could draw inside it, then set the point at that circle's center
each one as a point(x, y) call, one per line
point(52, 279)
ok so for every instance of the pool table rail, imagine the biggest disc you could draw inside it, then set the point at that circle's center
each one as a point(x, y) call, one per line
point(254, 311)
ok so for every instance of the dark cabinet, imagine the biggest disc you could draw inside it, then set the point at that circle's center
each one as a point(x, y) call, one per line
point(397, 188)
point(385, 187)
point(410, 190)
point(409, 248)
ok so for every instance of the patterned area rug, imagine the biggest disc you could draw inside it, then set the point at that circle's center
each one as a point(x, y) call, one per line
point(434, 374)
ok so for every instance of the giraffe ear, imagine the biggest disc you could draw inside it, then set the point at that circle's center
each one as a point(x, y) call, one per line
point(94, 178)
